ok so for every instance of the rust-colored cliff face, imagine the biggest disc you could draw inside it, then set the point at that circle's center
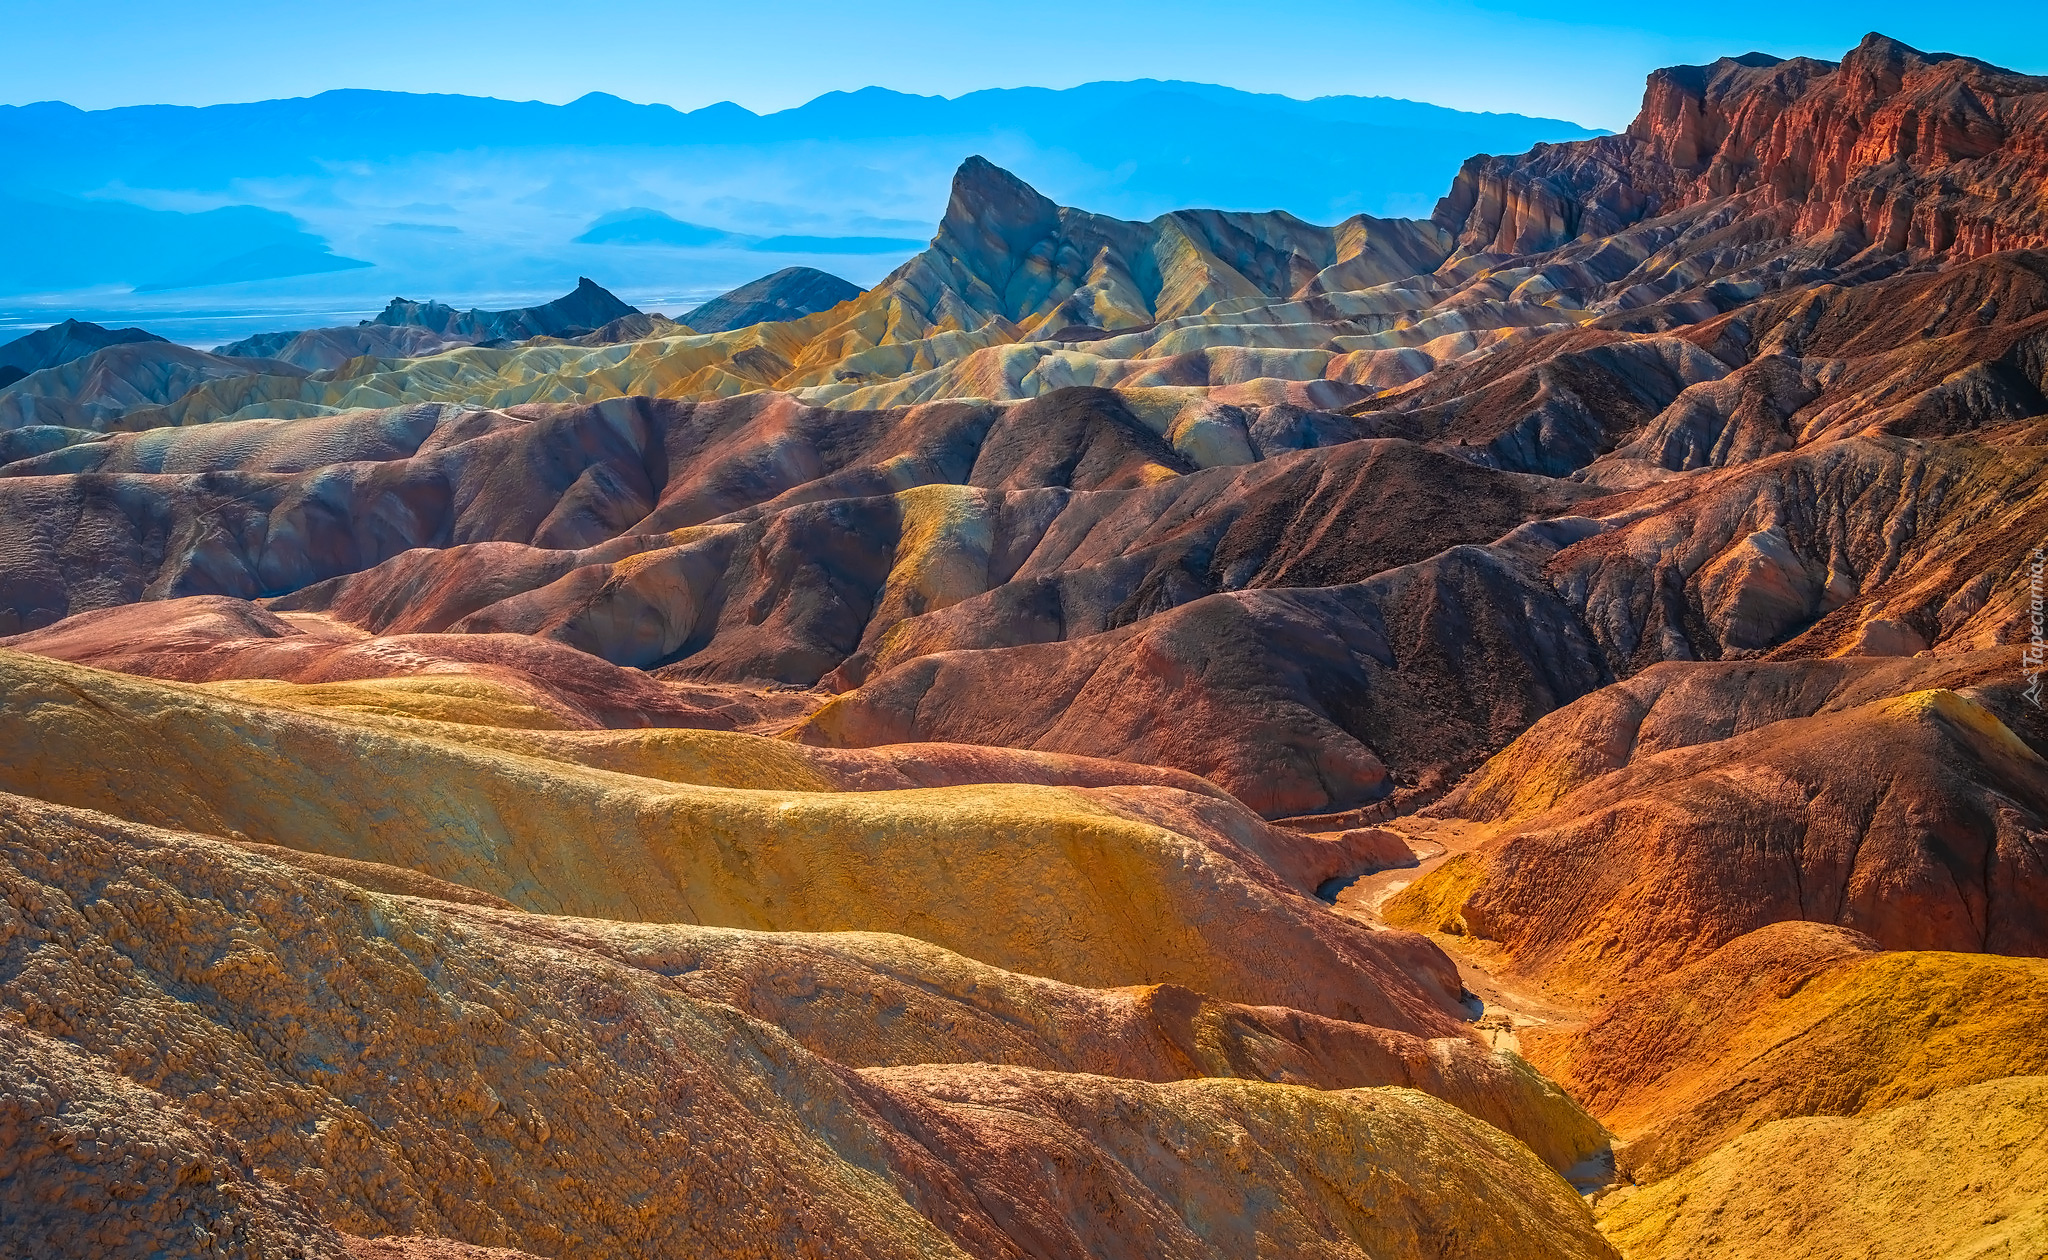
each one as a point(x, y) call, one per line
point(1890, 150)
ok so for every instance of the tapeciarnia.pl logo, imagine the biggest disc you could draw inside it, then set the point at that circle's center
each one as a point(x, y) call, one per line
point(2031, 661)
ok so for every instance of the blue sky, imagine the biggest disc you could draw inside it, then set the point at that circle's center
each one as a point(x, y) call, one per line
point(1581, 62)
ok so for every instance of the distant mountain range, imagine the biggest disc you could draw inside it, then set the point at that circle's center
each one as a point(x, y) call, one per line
point(80, 242)
point(379, 192)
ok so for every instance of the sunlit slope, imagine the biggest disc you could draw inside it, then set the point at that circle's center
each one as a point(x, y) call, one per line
point(1956, 1176)
point(414, 1067)
point(1102, 886)
point(1196, 298)
point(1914, 819)
point(1791, 1020)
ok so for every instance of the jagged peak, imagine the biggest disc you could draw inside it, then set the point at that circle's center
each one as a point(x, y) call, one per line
point(981, 188)
point(1877, 46)
point(1794, 136)
point(993, 217)
point(1878, 59)
point(1878, 51)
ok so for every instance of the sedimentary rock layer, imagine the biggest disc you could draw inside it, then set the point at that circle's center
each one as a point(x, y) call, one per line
point(416, 1069)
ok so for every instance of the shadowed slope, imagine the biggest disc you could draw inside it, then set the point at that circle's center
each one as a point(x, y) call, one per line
point(848, 586)
point(211, 638)
point(1815, 548)
point(1292, 700)
point(1310, 519)
point(61, 343)
point(791, 293)
point(262, 520)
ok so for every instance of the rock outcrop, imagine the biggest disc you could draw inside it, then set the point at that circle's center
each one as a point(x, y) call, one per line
point(1891, 150)
point(587, 307)
point(61, 343)
point(790, 293)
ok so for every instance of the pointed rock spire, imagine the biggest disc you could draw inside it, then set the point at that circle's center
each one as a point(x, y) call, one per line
point(993, 219)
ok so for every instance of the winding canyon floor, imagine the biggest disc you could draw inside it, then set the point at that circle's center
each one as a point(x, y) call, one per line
point(1514, 734)
point(1500, 1007)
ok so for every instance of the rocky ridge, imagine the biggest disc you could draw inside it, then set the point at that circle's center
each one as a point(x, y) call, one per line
point(791, 293)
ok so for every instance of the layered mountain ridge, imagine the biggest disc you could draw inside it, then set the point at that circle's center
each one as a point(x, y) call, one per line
point(1890, 147)
point(1118, 739)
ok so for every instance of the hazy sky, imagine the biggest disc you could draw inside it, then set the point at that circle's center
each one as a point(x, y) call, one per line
point(1558, 60)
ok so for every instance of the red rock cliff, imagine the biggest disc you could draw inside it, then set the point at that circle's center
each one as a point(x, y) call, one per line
point(1891, 149)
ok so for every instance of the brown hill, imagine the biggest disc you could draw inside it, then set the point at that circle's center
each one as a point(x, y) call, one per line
point(1286, 698)
point(1916, 820)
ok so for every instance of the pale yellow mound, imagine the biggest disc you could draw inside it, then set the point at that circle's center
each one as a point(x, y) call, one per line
point(470, 710)
point(1959, 1176)
point(477, 711)
point(1098, 887)
point(1796, 1019)
point(451, 698)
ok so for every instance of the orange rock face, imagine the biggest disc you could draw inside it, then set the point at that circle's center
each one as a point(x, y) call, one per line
point(1915, 820)
point(1890, 147)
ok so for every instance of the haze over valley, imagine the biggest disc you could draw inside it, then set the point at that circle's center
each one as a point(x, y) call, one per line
point(211, 221)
